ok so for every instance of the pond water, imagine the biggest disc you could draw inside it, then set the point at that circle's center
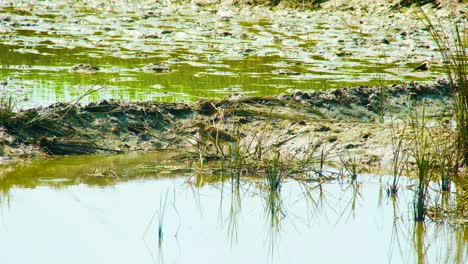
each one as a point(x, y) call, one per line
point(65, 211)
point(205, 52)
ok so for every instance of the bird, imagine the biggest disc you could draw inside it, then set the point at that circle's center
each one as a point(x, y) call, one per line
point(217, 136)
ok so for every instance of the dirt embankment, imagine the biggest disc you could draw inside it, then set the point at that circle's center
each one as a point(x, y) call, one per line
point(350, 119)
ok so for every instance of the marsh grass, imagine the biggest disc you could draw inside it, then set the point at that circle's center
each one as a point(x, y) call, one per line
point(275, 171)
point(431, 147)
point(461, 209)
point(399, 155)
point(453, 47)
point(446, 164)
point(422, 153)
point(9, 101)
point(7, 105)
point(452, 154)
point(350, 165)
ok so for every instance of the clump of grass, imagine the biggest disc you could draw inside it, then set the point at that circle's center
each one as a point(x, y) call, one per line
point(453, 47)
point(452, 154)
point(8, 103)
point(446, 164)
point(461, 209)
point(274, 173)
point(350, 165)
point(314, 157)
point(422, 155)
point(399, 156)
point(236, 157)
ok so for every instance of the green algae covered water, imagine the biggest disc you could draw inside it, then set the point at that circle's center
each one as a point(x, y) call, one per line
point(151, 210)
point(151, 51)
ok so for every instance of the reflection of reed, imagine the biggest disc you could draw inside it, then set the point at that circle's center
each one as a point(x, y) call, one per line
point(397, 228)
point(431, 242)
point(418, 241)
point(314, 204)
point(274, 213)
point(234, 212)
point(354, 186)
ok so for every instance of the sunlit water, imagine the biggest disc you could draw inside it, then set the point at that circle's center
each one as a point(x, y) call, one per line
point(210, 53)
point(60, 211)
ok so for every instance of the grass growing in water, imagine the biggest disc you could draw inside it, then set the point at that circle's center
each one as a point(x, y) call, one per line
point(453, 156)
point(9, 101)
point(453, 48)
point(350, 165)
point(399, 156)
point(7, 105)
point(422, 154)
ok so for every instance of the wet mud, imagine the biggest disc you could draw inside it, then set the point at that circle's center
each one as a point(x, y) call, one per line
point(349, 119)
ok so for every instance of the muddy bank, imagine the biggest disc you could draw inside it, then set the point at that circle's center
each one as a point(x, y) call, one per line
point(349, 119)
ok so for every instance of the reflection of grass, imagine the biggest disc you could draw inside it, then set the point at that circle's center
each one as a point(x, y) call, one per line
point(161, 214)
point(234, 211)
point(274, 213)
point(419, 233)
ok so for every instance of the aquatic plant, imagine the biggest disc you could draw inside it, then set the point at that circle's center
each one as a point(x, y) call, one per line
point(350, 165)
point(399, 155)
point(461, 209)
point(236, 156)
point(7, 104)
point(314, 157)
point(9, 101)
point(422, 155)
point(446, 164)
point(453, 47)
point(274, 173)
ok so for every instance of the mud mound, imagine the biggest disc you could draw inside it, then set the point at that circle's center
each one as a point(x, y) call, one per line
point(345, 116)
point(107, 126)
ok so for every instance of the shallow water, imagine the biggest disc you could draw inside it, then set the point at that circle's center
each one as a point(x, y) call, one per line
point(211, 53)
point(62, 211)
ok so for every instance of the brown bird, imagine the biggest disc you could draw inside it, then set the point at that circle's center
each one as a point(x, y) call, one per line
point(217, 136)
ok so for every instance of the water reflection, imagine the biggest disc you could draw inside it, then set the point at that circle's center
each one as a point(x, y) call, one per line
point(255, 52)
point(159, 211)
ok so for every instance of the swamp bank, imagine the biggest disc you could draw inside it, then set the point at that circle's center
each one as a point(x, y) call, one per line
point(355, 120)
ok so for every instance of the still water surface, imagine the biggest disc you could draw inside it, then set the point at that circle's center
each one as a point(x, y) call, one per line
point(60, 211)
point(209, 53)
